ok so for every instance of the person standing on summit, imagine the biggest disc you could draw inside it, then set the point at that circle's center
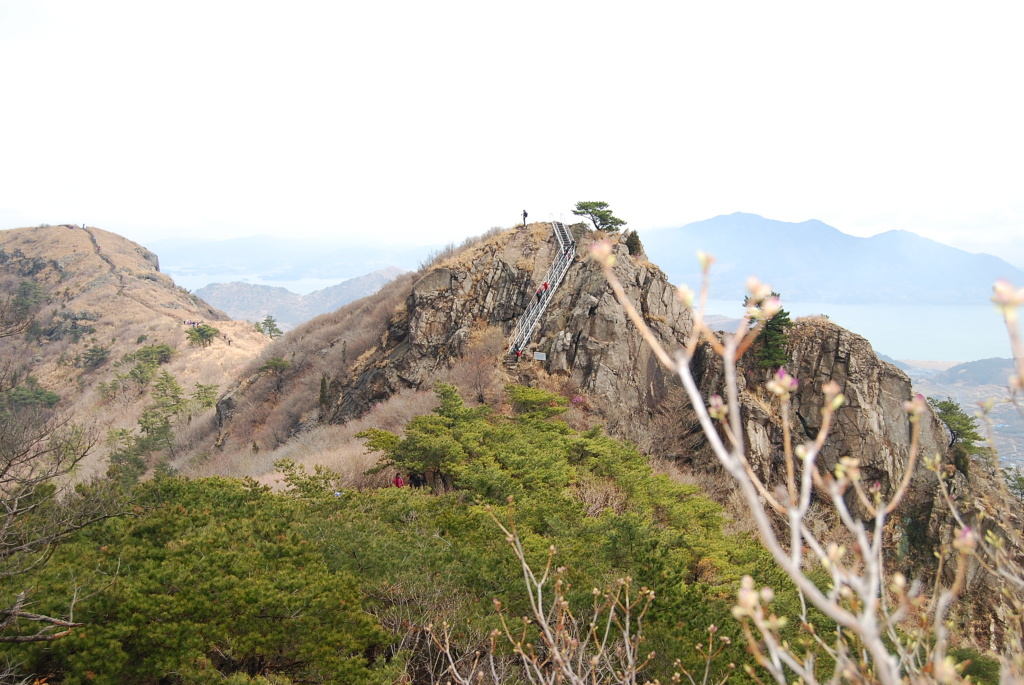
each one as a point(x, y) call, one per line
point(524, 218)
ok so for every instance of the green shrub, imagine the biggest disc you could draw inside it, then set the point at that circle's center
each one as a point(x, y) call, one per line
point(95, 357)
point(201, 335)
point(633, 243)
point(214, 578)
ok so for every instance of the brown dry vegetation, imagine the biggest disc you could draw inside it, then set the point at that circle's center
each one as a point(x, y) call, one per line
point(271, 409)
point(310, 443)
point(103, 291)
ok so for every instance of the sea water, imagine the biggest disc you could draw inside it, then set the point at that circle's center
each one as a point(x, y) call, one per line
point(958, 333)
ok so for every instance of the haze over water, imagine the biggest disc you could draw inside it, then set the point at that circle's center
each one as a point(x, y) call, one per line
point(960, 333)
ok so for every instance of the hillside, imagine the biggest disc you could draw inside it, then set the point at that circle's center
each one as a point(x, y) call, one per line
point(814, 262)
point(586, 442)
point(98, 297)
point(253, 302)
point(372, 364)
point(972, 385)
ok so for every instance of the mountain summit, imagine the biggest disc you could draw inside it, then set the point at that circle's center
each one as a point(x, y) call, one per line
point(451, 321)
point(814, 262)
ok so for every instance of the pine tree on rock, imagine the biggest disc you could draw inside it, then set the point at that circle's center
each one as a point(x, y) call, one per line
point(600, 215)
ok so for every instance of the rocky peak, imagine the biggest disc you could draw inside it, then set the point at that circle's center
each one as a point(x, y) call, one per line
point(586, 337)
point(872, 425)
point(583, 334)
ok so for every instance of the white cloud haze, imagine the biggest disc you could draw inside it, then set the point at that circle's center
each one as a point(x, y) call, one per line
point(422, 123)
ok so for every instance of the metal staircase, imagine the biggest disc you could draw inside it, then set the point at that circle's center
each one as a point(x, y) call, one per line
point(529, 319)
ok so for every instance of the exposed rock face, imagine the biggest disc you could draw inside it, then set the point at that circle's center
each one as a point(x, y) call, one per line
point(872, 425)
point(586, 336)
point(584, 332)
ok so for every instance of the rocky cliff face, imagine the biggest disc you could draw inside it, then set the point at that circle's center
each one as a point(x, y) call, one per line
point(586, 337)
point(584, 333)
point(872, 426)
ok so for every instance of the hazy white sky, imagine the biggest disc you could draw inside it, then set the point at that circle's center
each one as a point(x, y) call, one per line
point(425, 122)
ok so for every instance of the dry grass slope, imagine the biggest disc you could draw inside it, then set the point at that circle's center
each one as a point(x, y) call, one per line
point(101, 291)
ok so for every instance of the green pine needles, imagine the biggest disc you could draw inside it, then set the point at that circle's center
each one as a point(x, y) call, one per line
point(770, 346)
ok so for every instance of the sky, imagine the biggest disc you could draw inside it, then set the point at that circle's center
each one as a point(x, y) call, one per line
point(415, 123)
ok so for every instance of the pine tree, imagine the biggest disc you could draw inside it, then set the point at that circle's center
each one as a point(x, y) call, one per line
point(770, 346)
point(269, 327)
point(599, 215)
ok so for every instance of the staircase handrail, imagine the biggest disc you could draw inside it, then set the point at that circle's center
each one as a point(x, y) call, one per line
point(553, 277)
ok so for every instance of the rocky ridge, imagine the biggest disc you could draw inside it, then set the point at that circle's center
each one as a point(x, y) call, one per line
point(584, 333)
point(586, 338)
point(871, 426)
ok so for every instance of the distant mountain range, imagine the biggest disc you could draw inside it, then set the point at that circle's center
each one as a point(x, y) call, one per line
point(814, 262)
point(248, 301)
point(194, 263)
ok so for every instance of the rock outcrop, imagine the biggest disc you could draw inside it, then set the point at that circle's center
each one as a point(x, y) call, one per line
point(586, 337)
point(584, 333)
point(871, 426)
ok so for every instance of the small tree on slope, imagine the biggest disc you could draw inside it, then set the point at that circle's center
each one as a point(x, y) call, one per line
point(599, 215)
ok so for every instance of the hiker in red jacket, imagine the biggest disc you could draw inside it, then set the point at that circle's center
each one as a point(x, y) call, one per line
point(397, 480)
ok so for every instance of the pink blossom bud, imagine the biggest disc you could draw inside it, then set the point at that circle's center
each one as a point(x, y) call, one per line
point(917, 406)
point(831, 389)
point(782, 383)
point(966, 540)
point(746, 599)
point(705, 260)
point(771, 307)
point(601, 251)
point(849, 468)
point(716, 407)
point(686, 295)
point(758, 290)
point(1007, 299)
point(1004, 294)
point(945, 671)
